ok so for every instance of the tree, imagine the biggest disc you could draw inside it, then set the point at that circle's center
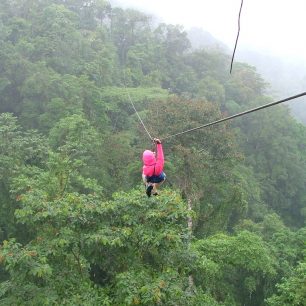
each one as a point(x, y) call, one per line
point(17, 151)
point(75, 233)
point(211, 90)
point(233, 268)
point(200, 163)
point(292, 291)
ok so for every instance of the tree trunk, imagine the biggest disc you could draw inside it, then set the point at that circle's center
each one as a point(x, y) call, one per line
point(189, 222)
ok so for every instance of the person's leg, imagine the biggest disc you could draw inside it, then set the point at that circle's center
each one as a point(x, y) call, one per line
point(161, 179)
point(154, 190)
point(144, 179)
point(156, 185)
point(148, 185)
point(149, 189)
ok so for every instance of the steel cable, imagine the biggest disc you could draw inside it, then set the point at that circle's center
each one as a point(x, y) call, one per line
point(237, 115)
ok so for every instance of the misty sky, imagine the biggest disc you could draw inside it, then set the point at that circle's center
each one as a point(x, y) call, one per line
point(275, 26)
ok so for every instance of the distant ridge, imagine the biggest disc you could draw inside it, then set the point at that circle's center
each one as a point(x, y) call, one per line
point(200, 38)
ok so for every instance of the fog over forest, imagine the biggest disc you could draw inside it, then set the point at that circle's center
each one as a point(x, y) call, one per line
point(287, 77)
point(286, 74)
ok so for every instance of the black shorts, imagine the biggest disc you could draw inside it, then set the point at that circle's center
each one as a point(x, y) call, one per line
point(156, 178)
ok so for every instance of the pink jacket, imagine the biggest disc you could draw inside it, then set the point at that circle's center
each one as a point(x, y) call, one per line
point(151, 165)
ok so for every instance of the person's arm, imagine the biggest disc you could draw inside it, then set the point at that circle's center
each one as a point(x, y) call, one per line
point(159, 166)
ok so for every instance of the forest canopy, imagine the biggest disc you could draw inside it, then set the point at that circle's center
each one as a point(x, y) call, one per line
point(76, 227)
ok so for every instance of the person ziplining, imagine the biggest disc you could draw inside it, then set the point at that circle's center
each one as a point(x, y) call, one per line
point(152, 170)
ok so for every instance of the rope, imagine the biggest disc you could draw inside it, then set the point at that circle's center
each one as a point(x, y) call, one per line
point(151, 138)
point(237, 36)
point(237, 115)
point(130, 99)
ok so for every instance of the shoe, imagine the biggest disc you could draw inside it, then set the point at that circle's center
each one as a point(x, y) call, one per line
point(155, 193)
point(149, 190)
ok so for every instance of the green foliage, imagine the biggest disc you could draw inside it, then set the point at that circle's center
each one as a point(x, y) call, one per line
point(73, 228)
point(233, 268)
point(245, 85)
point(17, 150)
point(211, 90)
point(291, 291)
point(285, 244)
point(119, 108)
point(73, 232)
point(281, 175)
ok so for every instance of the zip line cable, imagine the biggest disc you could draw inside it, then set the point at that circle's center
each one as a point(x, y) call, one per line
point(237, 36)
point(237, 115)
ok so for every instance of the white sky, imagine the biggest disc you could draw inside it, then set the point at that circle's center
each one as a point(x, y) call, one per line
point(275, 26)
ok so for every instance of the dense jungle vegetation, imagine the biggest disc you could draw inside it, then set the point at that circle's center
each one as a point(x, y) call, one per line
point(76, 227)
